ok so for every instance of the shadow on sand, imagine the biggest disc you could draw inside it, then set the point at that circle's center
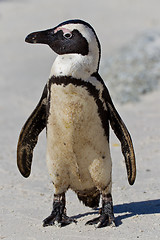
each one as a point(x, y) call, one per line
point(129, 210)
point(136, 208)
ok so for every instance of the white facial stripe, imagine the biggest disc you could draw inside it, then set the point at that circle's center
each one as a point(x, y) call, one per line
point(65, 30)
point(88, 34)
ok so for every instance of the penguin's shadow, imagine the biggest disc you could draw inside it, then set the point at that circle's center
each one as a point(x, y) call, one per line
point(128, 210)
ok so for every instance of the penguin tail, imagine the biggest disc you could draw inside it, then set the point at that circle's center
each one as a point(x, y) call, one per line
point(90, 198)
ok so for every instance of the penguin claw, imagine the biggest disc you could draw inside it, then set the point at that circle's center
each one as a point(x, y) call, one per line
point(101, 221)
point(49, 221)
point(93, 221)
point(52, 220)
point(67, 220)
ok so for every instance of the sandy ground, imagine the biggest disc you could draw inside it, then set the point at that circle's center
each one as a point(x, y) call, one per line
point(24, 70)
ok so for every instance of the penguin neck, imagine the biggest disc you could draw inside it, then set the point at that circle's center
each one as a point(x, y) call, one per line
point(75, 65)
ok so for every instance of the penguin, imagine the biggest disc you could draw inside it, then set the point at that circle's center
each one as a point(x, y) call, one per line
point(76, 109)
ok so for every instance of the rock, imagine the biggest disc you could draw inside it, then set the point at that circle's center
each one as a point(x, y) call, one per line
point(134, 69)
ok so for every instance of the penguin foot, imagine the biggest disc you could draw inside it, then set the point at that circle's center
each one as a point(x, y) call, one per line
point(101, 221)
point(106, 217)
point(59, 221)
point(58, 216)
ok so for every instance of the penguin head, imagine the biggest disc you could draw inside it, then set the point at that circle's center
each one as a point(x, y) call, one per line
point(74, 38)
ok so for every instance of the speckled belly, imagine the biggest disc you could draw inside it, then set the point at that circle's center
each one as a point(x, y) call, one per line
point(77, 149)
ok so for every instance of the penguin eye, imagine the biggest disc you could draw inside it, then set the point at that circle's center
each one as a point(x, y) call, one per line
point(67, 35)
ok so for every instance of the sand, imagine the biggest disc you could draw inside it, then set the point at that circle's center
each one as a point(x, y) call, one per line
point(24, 70)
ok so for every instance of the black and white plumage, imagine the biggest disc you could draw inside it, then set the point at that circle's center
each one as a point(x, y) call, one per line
point(76, 109)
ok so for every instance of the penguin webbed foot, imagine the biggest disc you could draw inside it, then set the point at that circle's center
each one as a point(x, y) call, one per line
point(57, 220)
point(58, 216)
point(102, 221)
point(106, 217)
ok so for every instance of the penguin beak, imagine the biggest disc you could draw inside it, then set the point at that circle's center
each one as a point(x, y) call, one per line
point(43, 37)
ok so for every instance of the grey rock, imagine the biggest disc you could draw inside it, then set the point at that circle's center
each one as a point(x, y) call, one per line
point(134, 69)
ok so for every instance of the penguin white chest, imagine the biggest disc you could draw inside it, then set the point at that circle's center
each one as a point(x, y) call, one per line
point(76, 143)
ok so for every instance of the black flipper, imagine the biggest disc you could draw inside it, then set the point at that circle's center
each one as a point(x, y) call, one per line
point(122, 134)
point(29, 135)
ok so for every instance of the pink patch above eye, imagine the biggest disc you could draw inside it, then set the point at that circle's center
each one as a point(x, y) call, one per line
point(65, 30)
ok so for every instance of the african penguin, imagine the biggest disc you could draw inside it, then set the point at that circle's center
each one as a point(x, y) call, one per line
point(76, 110)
